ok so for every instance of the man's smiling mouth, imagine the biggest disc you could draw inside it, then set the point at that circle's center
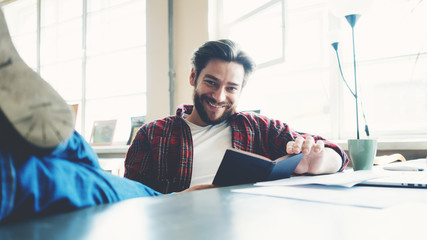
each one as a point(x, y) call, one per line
point(217, 106)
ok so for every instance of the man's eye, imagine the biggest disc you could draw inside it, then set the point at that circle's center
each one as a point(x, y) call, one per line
point(210, 82)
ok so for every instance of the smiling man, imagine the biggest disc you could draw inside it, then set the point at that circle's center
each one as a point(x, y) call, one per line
point(183, 152)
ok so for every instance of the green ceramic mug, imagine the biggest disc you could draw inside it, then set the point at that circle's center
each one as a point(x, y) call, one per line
point(362, 153)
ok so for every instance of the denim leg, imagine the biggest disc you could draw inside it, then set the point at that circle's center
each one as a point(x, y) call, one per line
point(7, 185)
point(67, 178)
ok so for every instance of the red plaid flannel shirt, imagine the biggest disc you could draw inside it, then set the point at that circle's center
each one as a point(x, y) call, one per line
point(161, 155)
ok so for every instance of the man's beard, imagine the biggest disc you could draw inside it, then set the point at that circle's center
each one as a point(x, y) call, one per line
point(229, 110)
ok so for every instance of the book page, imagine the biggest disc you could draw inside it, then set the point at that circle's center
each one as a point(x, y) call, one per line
point(347, 179)
point(372, 197)
point(250, 154)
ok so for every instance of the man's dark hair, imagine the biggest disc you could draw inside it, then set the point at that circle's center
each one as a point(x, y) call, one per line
point(225, 50)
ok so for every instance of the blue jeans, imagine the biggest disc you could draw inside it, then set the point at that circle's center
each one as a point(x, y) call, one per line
point(68, 177)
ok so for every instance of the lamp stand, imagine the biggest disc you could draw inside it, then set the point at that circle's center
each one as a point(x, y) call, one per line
point(352, 19)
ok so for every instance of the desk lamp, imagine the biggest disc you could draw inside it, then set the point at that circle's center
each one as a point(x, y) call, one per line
point(352, 11)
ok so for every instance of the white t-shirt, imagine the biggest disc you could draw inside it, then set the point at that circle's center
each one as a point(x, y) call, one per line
point(209, 145)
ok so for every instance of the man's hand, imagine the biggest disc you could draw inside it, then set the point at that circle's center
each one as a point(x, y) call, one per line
point(199, 187)
point(317, 159)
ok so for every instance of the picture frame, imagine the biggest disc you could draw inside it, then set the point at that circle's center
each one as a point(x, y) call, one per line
point(75, 108)
point(136, 123)
point(103, 132)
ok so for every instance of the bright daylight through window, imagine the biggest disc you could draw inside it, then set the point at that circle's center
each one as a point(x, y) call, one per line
point(77, 45)
point(91, 51)
point(305, 89)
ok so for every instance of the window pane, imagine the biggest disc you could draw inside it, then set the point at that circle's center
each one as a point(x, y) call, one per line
point(391, 46)
point(115, 65)
point(61, 42)
point(394, 97)
point(21, 18)
point(399, 29)
point(291, 97)
point(65, 77)
point(61, 47)
point(59, 11)
point(61, 31)
point(307, 92)
point(298, 90)
point(116, 74)
point(116, 28)
point(268, 27)
point(237, 8)
point(306, 41)
point(95, 5)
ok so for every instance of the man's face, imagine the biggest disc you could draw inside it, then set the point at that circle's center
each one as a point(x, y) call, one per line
point(217, 91)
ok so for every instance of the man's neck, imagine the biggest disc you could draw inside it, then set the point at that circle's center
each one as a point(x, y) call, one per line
point(194, 118)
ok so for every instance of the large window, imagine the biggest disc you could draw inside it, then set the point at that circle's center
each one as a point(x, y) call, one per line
point(305, 89)
point(91, 51)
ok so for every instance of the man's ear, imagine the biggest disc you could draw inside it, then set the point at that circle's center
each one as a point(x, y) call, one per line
point(192, 77)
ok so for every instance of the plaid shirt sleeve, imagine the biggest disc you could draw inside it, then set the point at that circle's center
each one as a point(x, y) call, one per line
point(138, 156)
point(161, 155)
point(268, 137)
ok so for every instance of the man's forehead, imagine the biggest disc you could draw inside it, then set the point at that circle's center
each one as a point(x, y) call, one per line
point(221, 70)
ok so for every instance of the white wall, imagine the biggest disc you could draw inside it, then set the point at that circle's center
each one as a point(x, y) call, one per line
point(190, 30)
point(157, 59)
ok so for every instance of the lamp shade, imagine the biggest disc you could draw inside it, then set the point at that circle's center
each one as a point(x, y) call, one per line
point(342, 8)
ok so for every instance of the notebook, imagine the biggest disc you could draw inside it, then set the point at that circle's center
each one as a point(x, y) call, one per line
point(412, 179)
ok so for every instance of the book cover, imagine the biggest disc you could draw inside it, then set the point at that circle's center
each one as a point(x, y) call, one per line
point(240, 167)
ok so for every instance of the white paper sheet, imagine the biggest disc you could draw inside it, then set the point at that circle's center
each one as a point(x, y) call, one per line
point(346, 179)
point(373, 197)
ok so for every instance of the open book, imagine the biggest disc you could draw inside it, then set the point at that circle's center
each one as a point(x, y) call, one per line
point(240, 167)
point(386, 159)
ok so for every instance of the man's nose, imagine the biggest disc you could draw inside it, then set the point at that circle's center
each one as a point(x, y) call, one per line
point(220, 95)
